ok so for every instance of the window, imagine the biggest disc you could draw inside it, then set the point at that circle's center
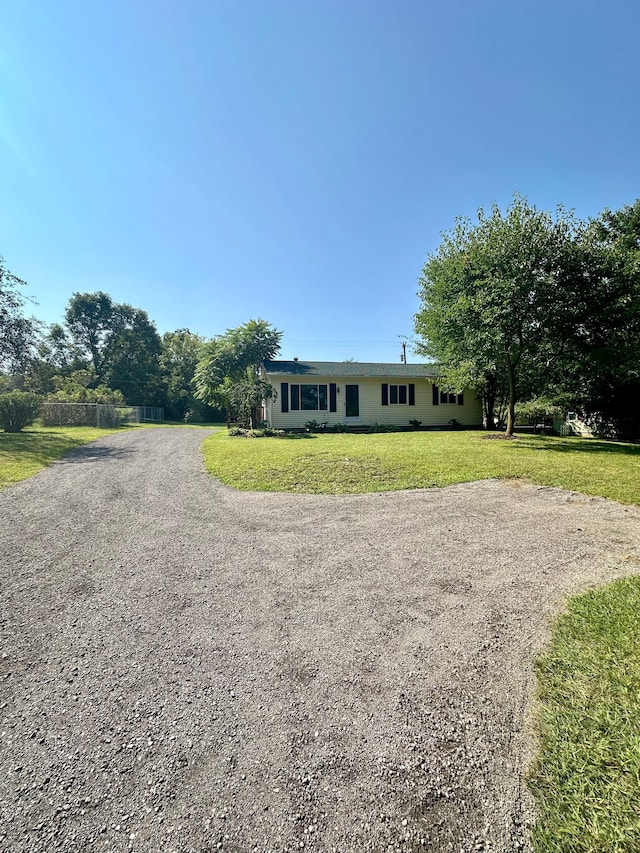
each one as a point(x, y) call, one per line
point(398, 395)
point(311, 398)
point(446, 398)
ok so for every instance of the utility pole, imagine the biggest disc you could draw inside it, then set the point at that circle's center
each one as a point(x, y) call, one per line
point(403, 354)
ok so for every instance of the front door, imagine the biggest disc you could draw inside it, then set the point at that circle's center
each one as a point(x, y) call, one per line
point(352, 401)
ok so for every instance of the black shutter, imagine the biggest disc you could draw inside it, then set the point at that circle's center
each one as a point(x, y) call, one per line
point(284, 396)
point(385, 394)
point(461, 399)
point(295, 398)
point(333, 403)
point(436, 395)
point(412, 394)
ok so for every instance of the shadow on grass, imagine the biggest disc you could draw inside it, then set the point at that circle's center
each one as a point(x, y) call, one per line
point(583, 445)
point(293, 436)
point(42, 446)
point(42, 443)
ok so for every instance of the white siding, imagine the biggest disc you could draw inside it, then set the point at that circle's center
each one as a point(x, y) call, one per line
point(371, 409)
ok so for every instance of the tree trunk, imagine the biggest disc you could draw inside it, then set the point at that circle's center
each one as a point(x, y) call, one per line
point(489, 400)
point(511, 410)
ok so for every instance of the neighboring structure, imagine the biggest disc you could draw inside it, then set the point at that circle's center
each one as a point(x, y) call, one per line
point(360, 394)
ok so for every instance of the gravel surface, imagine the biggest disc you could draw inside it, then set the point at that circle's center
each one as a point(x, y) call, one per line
point(188, 668)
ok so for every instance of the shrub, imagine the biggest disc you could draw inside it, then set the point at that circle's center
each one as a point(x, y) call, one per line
point(383, 428)
point(267, 432)
point(454, 423)
point(537, 410)
point(18, 409)
point(311, 426)
point(415, 423)
point(340, 428)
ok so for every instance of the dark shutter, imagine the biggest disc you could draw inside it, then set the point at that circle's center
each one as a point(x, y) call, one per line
point(295, 398)
point(284, 396)
point(385, 394)
point(436, 395)
point(412, 394)
point(461, 399)
point(333, 403)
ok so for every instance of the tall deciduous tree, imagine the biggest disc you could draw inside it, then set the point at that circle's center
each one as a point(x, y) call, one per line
point(497, 299)
point(181, 351)
point(120, 343)
point(18, 333)
point(131, 358)
point(608, 339)
point(90, 320)
point(228, 374)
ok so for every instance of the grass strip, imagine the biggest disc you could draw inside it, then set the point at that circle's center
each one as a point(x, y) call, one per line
point(343, 463)
point(587, 777)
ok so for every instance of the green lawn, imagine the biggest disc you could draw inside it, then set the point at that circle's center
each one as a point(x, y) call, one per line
point(587, 777)
point(23, 454)
point(343, 463)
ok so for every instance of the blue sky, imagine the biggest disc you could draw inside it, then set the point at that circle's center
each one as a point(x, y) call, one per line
point(214, 161)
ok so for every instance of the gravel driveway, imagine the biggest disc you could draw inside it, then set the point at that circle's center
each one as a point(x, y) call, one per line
point(188, 668)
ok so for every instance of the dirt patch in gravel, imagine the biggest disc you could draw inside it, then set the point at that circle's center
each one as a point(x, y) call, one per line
point(187, 668)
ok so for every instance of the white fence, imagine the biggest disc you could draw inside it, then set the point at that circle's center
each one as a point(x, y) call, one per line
point(97, 414)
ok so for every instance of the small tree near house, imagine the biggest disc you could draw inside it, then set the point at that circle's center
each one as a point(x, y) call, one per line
point(229, 373)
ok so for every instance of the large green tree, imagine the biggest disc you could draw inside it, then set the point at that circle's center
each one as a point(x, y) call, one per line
point(131, 358)
point(181, 351)
point(120, 344)
point(90, 319)
point(498, 297)
point(18, 333)
point(229, 373)
point(608, 334)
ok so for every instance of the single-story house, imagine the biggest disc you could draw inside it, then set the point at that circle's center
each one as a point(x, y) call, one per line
point(360, 394)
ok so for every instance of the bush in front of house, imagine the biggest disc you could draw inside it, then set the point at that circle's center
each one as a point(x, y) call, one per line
point(383, 428)
point(18, 409)
point(266, 432)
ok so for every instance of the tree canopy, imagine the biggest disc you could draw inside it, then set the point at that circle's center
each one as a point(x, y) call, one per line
point(90, 319)
point(607, 342)
point(18, 333)
point(228, 373)
point(179, 358)
point(496, 302)
point(530, 304)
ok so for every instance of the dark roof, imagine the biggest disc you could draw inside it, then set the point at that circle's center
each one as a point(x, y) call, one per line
point(351, 368)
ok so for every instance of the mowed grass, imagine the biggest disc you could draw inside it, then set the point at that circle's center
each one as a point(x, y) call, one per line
point(342, 463)
point(587, 777)
point(23, 454)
